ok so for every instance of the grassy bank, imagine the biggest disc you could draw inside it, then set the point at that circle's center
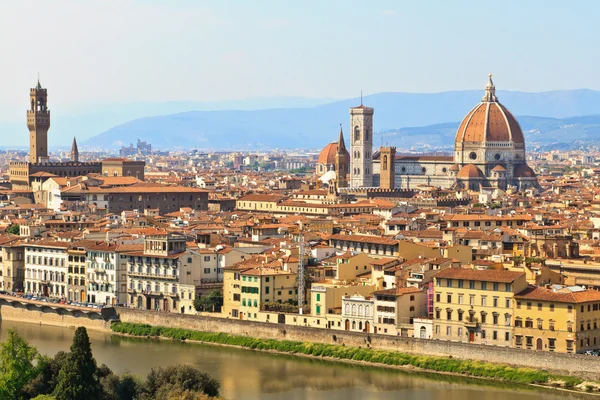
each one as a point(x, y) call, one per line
point(391, 358)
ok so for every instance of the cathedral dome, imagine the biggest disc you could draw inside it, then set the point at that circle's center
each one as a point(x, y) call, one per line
point(328, 154)
point(489, 121)
point(524, 171)
point(470, 171)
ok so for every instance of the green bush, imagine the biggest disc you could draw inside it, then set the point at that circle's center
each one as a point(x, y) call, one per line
point(437, 364)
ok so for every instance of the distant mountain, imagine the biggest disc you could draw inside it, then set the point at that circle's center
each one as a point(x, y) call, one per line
point(560, 118)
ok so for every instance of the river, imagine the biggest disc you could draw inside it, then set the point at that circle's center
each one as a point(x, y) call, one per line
point(251, 375)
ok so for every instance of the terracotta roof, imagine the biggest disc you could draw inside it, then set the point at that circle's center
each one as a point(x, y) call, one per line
point(564, 295)
point(489, 122)
point(487, 275)
point(365, 239)
point(328, 154)
point(524, 171)
point(470, 171)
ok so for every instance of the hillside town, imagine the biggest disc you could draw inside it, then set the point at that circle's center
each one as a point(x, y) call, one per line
point(489, 245)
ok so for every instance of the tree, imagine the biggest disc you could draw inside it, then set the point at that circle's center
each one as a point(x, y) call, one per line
point(14, 229)
point(212, 302)
point(78, 378)
point(19, 363)
point(124, 387)
point(46, 381)
point(163, 381)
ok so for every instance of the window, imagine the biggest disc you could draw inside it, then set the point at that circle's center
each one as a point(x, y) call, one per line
point(495, 335)
point(471, 285)
point(529, 341)
point(540, 324)
point(472, 300)
point(507, 287)
point(507, 320)
point(551, 343)
point(551, 325)
point(483, 317)
point(449, 315)
point(438, 297)
point(460, 299)
point(449, 297)
point(495, 301)
point(206, 258)
point(528, 323)
point(483, 334)
point(495, 285)
point(207, 270)
point(518, 340)
point(528, 305)
point(448, 331)
point(448, 282)
point(551, 307)
point(460, 283)
point(318, 296)
point(507, 303)
point(483, 301)
point(518, 304)
point(483, 286)
point(495, 317)
point(539, 305)
point(507, 336)
point(460, 331)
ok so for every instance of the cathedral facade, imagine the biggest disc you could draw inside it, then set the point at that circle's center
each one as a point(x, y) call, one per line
point(489, 152)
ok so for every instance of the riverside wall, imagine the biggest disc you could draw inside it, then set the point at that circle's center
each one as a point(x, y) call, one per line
point(49, 316)
point(587, 367)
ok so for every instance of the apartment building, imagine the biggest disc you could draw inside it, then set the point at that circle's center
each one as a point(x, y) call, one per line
point(46, 268)
point(396, 308)
point(12, 264)
point(154, 274)
point(76, 273)
point(105, 274)
point(476, 306)
point(357, 313)
point(557, 318)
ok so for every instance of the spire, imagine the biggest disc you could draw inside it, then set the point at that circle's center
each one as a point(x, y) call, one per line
point(341, 144)
point(490, 91)
point(361, 98)
point(74, 151)
point(39, 85)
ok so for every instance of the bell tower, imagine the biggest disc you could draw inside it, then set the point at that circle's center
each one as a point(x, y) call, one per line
point(38, 122)
point(361, 146)
point(387, 167)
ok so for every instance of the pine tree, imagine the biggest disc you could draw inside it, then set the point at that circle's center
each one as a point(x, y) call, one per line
point(77, 378)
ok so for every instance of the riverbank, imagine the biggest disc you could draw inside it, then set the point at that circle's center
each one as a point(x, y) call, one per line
point(385, 358)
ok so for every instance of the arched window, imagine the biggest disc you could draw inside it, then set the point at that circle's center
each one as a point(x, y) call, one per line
point(353, 309)
point(367, 134)
point(353, 324)
point(347, 309)
point(360, 310)
point(385, 161)
point(367, 311)
point(356, 133)
point(412, 308)
point(357, 171)
point(360, 326)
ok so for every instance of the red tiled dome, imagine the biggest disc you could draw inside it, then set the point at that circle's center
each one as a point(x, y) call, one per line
point(328, 154)
point(524, 171)
point(489, 121)
point(470, 171)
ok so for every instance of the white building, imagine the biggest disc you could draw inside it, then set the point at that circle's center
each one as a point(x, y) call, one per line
point(357, 313)
point(46, 268)
point(105, 274)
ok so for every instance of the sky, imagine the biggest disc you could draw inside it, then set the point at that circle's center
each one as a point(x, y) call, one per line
point(92, 52)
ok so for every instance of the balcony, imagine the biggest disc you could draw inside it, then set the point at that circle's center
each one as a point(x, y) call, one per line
point(151, 275)
point(472, 322)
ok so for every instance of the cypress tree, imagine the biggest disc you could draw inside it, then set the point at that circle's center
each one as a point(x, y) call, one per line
point(77, 378)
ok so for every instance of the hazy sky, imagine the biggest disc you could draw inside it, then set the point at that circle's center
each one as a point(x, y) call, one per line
point(97, 52)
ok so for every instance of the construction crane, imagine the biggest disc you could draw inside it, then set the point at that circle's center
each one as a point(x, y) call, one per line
point(301, 282)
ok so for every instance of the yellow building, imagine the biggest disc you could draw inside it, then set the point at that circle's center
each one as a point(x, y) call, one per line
point(326, 296)
point(557, 318)
point(396, 308)
point(476, 306)
point(247, 290)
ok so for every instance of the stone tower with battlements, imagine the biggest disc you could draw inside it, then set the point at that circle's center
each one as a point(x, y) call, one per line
point(361, 146)
point(387, 167)
point(38, 122)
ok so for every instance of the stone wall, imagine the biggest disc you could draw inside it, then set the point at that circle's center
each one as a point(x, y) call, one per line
point(20, 313)
point(567, 364)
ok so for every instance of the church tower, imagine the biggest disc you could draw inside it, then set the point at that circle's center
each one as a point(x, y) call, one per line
point(361, 146)
point(387, 167)
point(74, 151)
point(341, 161)
point(38, 122)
